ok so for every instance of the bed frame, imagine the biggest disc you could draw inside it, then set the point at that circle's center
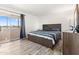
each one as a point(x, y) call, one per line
point(44, 41)
point(40, 40)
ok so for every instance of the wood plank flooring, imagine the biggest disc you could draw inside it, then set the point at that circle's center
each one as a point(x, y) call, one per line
point(26, 47)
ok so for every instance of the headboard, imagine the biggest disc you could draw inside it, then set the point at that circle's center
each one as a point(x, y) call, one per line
point(52, 27)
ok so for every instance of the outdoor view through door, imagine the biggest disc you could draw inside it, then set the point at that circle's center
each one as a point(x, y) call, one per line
point(9, 29)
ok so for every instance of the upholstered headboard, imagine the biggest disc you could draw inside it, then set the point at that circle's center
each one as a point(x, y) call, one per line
point(52, 27)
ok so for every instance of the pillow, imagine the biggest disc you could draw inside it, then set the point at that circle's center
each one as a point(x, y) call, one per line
point(55, 29)
point(52, 29)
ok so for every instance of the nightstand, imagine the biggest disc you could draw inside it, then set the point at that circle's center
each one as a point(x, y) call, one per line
point(70, 43)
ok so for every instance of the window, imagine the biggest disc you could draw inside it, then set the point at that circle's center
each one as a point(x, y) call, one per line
point(9, 22)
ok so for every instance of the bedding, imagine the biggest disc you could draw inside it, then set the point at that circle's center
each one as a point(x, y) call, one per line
point(50, 35)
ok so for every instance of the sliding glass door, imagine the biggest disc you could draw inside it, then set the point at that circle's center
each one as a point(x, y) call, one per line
point(14, 27)
point(9, 29)
point(4, 34)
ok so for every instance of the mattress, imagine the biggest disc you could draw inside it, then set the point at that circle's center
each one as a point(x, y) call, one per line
point(51, 35)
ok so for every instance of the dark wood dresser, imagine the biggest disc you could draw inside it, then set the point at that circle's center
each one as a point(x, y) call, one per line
point(70, 43)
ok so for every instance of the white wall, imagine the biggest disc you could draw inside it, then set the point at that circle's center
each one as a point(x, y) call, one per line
point(31, 23)
point(64, 16)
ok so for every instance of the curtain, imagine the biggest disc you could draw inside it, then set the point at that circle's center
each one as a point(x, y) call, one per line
point(77, 14)
point(22, 31)
point(77, 18)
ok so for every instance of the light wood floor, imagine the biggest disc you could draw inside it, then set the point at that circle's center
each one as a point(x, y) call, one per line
point(26, 47)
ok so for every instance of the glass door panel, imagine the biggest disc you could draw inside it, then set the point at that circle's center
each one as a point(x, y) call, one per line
point(4, 32)
point(14, 28)
point(9, 29)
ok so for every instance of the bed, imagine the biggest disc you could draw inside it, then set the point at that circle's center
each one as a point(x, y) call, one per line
point(48, 37)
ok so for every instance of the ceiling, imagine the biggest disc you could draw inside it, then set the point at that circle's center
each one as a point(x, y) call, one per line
point(37, 9)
